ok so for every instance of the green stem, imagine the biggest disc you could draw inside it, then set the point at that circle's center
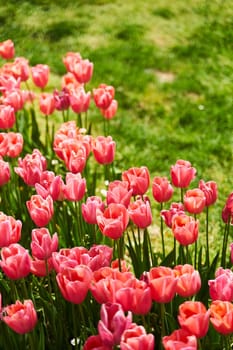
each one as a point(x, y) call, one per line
point(207, 238)
point(161, 230)
point(224, 246)
point(75, 328)
point(119, 253)
point(162, 315)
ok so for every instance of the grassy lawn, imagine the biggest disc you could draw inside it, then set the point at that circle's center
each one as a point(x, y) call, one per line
point(171, 65)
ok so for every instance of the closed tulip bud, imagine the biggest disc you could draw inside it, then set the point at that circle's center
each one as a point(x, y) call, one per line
point(79, 100)
point(162, 282)
point(210, 190)
point(4, 172)
point(194, 318)
point(47, 103)
point(161, 189)
point(74, 283)
point(110, 112)
point(138, 180)
point(40, 209)
point(7, 117)
point(42, 244)
point(75, 187)
point(140, 213)
point(82, 70)
point(7, 49)
point(221, 316)
point(103, 96)
point(21, 317)
point(185, 229)
point(104, 149)
point(89, 209)
point(62, 99)
point(113, 221)
point(188, 282)
point(182, 173)
point(221, 288)
point(180, 340)
point(113, 323)
point(136, 338)
point(194, 201)
point(15, 261)
point(40, 75)
point(70, 58)
point(10, 230)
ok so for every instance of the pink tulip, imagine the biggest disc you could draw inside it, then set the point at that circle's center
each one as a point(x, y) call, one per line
point(50, 185)
point(89, 209)
point(194, 318)
point(40, 209)
point(14, 98)
point(167, 215)
point(136, 338)
point(61, 99)
point(110, 112)
point(41, 268)
point(188, 282)
point(21, 317)
point(7, 117)
point(74, 283)
point(113, 323)
point(221, 316)
point(104, 149)
point(75, 187)
point(194, 201)
point(3, 143)
point(7, 49)
point(182, 173)
point(40, 75)
point(113, 221)
point(4, 172)
point(42, 244)
point(15, 261)
point(70, 59)
point(47, 103)
point(10, 230)
point(221, 288)
point(119, 193)
point(94, 342)
point(103, 96)
point(82, 70)
point(15, 144)
point(79, 100)
point(185, 229)
point(180, 340)
point(20, 68)
point(140, 213)
point(162, 282)
point(161, 189)
point(8, 82)
point(138, 180)
point(210, 190)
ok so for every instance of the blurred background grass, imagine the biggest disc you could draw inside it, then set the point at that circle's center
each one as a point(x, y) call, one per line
point(171, 65)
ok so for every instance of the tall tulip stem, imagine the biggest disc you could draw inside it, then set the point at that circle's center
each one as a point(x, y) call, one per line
point(162, 231)
point(207, 237)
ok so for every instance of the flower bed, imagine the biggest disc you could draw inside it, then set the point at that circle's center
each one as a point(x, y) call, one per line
point(78, 266)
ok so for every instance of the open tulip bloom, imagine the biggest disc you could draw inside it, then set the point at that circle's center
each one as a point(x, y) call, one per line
point(94, 256)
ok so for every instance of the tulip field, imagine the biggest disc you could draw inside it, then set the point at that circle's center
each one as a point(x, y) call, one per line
point(115, 215)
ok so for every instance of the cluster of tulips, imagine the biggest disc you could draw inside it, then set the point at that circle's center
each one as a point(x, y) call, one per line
point(79, 269)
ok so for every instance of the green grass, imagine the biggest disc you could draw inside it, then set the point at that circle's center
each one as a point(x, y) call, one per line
point(136, 46)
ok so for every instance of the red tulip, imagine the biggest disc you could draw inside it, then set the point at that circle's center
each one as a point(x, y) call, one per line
point(40, 209)
point(136, 338)
point(189, 280)
point(7, 49)
point(4, 172)
point(104, 149)
point(231, 248)
point(47, 103)
point(21, 317)
point(194, 201)
point(227, 212)
point(79, 100)
point(140, 213)
point(210, 190)
point(167, 215)
point(15, 261)
point(75, 187)
point(3, 143)
point(180, 340)
point(41, 268)
point(89, 209)
point(221, 288)
point(162, 282)
point(110, 112)
point(40, 75)
point(221, 316)
point(10, 230)
point(103, 96)
point(15, 144)
point(161, 189)
point(42, 244)
point(194, 318)
point(94, 342)
point(138, 180)
point(74, 283)
point(185, 229)
point(113, 221)
point(113, 323)
point(118, 192)
point(182, 173)
point(7, 117)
